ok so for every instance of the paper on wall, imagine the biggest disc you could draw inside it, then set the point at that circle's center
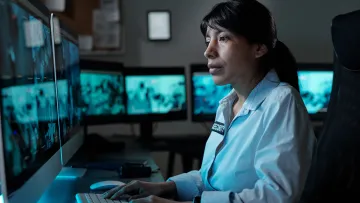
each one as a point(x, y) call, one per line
point(110, 39)
point(57, 32)
point(159, 27)
point(98, 20)
point(34, 35)
point(111, 10)
point(105, 34)
point(85, 42)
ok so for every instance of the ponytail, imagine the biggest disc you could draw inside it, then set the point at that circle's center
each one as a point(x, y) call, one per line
point(284, 64)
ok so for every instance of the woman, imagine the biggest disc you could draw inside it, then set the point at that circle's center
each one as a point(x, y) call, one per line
point(261, 144)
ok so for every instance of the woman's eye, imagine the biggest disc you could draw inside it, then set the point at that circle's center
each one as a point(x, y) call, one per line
point(207, 41)
point(223, 39)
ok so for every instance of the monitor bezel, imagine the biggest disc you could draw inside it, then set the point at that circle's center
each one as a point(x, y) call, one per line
point(172, 116)
point(320, 116)
point(89, 66)
point(198, 68)
point(44, 173)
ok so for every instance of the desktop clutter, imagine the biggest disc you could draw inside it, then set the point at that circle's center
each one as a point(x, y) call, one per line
point(50, 97)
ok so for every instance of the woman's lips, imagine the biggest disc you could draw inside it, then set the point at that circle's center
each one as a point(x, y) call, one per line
point(214, 69)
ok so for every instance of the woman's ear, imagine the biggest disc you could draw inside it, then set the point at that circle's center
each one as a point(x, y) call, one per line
point(260, 50)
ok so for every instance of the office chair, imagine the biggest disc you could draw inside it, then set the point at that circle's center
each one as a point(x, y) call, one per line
point(335, 173)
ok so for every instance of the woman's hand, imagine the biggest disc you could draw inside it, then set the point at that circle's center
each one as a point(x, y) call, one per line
point(153, 199)
point(140, 189)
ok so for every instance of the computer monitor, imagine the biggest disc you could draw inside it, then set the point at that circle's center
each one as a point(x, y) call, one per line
point(155, 94)
point(3, 63)
point(315, 83)
point(29, 138)
point(102, 92)
point(205, 94)
point(68, 93)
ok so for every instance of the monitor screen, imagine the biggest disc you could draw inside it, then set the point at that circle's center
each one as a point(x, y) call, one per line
point(155, 94)
point(69, 90)
point(315, 89)
point(206, 94)
point(29, 113)
point(62, 88)
point(75, 84)
point(102, 93)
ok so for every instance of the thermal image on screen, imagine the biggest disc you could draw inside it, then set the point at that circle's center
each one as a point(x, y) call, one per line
point(28, 92)
point(155, 94)
point(315, 89)
point(102, 93)
point(207, 94)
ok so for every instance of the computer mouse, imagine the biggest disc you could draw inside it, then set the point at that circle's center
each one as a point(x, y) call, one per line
point(106, 185)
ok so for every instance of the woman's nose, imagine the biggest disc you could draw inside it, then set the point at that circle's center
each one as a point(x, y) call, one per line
point(211, 51)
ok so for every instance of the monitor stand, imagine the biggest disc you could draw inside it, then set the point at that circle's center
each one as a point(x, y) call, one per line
point(146, 131)
point(71, 173)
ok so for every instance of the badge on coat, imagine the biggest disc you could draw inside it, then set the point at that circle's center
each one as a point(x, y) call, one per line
point(218, 127)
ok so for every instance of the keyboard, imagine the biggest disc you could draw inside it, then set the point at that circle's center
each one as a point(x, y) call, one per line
point(95, 198)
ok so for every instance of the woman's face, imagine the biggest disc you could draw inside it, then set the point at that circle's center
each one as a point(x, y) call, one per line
point(230, 57)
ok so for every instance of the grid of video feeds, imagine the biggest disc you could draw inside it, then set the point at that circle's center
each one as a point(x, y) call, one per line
point(207, 94)
point(102, 93)
point(156, 94)
point(315, 89)
point(28, 91)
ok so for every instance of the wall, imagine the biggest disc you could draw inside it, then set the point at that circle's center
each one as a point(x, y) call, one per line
point(303, 25)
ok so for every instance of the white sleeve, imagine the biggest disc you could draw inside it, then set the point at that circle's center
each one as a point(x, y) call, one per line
point(188, 185)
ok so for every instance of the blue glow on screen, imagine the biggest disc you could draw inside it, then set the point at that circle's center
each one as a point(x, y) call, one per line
point(315, 89)
point(28, 110)
point(66, 177)
point(63, 98)
point(102, 93)
point(207, 94)
point(155, 94)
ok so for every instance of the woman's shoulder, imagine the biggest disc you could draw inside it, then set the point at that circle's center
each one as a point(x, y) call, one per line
point(284, 93)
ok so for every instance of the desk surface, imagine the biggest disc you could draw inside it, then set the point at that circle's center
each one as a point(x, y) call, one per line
point(64, 190)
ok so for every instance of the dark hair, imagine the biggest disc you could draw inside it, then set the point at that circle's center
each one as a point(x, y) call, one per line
point(253, 21)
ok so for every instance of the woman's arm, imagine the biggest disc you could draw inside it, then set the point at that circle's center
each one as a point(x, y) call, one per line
point(282, 160)
point(188, 185)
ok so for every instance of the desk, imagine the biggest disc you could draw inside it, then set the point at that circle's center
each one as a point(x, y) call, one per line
point(64, 190)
